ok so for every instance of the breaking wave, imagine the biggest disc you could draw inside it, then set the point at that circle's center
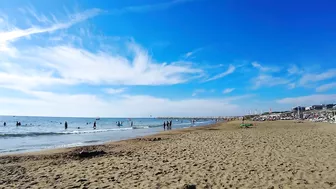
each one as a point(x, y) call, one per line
point(32, 134)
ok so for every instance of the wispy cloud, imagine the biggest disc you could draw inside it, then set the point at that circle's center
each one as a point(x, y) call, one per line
point(308, 100)
point(64, 63)
point(229, 71)
point(113, 91)
point(294, 70)
point(268, 81)
point(81, 66)
point(150, 7)
point(307, 78)
point(18, 33)
point(326, 87)
point(264, 68)
point(198, 91)
point(191, 53)
point(39, 17)
point(228, 90)
point(291, 85)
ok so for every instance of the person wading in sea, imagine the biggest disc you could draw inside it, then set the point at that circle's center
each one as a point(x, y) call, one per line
point(164, 126)
point(94, 125)
point(66, 125)
point(168, 125)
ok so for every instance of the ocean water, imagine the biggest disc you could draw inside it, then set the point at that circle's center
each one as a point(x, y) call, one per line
point(38, 133)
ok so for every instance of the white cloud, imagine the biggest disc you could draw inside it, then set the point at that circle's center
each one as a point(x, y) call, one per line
point(81, 66)
point(326, 87)
point(308, 100)
point(264, 68)
point(268, 81)
point(197, 91)
point(307, 78)
point(51, 104)
point(191, 53)
point(32, 12)
point(115, 90)
point(229, 71)
point(291, 85)
point(293, 69)
point(228, 90)
point(188, 54)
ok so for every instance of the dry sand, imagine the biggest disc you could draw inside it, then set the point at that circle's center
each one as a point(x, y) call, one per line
point(280, 154)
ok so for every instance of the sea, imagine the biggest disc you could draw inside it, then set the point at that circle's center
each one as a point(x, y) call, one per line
point(39, 133)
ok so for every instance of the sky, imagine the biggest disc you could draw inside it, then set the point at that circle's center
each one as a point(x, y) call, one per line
point(135, 58)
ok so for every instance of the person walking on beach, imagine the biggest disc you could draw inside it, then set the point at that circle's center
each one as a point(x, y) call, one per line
point(170, 124)
point(164, 126)
point(94, 125)
point(66, 125)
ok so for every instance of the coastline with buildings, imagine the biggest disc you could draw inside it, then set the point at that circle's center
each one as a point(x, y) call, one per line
point(315, 113)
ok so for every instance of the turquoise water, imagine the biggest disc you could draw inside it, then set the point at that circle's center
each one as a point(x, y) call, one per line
point(37, 133)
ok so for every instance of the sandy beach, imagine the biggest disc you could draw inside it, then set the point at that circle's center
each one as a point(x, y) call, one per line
point(280, 154)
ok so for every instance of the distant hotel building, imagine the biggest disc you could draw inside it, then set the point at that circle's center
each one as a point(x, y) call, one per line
point(314, 107)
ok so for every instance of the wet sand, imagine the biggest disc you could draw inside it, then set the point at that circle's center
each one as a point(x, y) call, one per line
point(280, 154)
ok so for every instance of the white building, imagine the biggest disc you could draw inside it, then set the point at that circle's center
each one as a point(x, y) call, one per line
point(308, 108)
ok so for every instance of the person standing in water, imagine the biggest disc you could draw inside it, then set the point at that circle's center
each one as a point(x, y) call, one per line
point(4, 123)
point(170, 124)
point(94, 125)
point(164, 126)
point(66, 125)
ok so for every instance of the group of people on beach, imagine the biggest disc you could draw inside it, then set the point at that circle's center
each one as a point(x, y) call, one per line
point(167, 125)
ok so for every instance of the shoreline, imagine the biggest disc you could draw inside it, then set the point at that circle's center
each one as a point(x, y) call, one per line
point(103, 143)
point(277, 154)
point(52, 137)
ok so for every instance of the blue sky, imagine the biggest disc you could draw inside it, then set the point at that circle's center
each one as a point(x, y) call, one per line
point(165, 57)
